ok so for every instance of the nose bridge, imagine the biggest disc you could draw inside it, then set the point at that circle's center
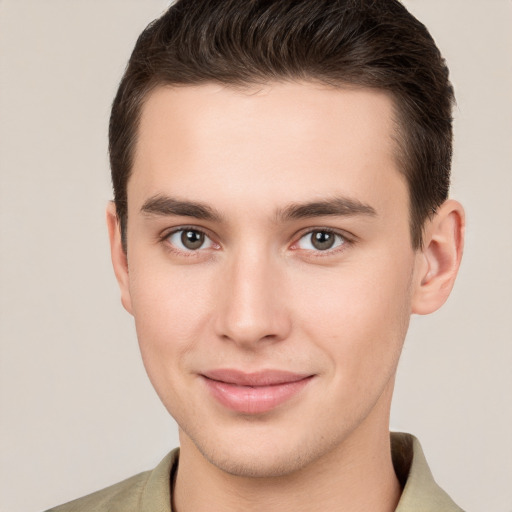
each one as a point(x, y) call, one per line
point(251, 308)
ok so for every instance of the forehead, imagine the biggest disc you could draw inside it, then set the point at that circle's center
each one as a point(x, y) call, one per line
point(295, 138)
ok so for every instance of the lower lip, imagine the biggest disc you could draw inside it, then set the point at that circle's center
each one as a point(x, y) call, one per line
point(254, 399)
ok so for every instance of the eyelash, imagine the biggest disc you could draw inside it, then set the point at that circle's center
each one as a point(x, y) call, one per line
point(345, 241)
point(190, 252)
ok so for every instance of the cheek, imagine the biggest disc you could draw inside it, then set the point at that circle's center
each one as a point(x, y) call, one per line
point(170, 306)
point(358, 315)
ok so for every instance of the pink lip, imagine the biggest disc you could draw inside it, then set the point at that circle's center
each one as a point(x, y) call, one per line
point(254, 393)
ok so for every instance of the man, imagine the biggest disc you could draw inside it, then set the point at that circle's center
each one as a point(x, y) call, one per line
point(281, 173)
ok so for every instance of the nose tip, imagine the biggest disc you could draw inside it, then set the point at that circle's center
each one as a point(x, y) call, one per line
point(251, 308)
point(247, 332)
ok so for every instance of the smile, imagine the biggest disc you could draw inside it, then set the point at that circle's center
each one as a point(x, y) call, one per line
point(254, 393)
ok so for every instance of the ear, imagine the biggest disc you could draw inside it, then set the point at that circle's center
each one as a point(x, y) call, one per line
point(439, 260)
point(119, 257)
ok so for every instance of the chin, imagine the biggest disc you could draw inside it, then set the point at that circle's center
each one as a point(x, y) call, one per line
point(263, 454)
point(261, 464)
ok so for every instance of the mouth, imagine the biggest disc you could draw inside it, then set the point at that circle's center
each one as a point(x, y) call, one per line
point(254, 393)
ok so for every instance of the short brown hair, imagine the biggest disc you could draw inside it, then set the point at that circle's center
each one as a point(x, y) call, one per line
point(368, 43)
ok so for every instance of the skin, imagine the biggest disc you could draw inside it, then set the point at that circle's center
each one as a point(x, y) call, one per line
point(258, 295)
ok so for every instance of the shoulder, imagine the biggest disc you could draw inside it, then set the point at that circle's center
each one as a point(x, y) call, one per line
point(146, 491)
point(124, 495)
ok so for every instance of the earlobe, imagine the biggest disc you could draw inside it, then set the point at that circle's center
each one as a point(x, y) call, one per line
point(118, 254)
point(439, 260)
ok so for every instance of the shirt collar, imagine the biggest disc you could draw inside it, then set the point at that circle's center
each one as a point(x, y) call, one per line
point(420, 491)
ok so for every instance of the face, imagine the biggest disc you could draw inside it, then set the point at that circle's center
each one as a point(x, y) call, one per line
point(269, 268)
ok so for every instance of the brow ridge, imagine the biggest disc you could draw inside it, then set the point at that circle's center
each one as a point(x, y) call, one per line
point(168, 206)
point(337, 206)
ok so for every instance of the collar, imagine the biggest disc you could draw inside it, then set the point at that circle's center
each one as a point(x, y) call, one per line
point(420, 491)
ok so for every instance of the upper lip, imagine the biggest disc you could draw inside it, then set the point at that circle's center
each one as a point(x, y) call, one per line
point(260, 378)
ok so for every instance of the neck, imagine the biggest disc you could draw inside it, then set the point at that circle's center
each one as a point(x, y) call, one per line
point(355, 476)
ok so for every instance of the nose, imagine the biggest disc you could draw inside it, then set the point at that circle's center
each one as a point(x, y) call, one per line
point(251, 305)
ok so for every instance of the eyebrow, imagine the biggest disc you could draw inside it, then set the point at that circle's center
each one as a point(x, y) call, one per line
point(168, 206)
point(337, 206)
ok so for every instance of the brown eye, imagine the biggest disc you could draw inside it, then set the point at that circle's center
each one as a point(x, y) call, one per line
point(320, 240)
point(192, 239)
point(188, 239)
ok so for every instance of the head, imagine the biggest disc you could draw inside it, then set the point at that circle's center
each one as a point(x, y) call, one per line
point(277, 166)
point(363, 43)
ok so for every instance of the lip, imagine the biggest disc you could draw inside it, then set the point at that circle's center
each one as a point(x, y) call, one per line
point(254, 393)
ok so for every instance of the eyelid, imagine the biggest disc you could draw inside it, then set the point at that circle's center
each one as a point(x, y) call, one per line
point(165, 233)
point(347, 235)
point(164, 238)
point(348, 239)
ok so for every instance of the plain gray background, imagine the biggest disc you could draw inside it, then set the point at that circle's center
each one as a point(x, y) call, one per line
point(77, 411)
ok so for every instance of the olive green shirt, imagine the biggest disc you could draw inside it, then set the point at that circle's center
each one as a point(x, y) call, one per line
point(151, 491)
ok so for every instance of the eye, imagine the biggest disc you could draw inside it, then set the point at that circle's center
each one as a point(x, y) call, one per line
point(188, 239)
point(320, 240)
